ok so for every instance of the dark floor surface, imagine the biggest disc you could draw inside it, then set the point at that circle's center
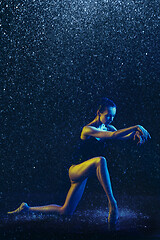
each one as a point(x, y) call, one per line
point(138, 219)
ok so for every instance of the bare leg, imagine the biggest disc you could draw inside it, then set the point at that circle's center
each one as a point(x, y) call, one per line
point(73, 197)
point(104, 179)
point(98, 165)
point(52, 208)
point(78, 175)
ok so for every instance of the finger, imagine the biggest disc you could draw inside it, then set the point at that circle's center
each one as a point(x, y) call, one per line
point(139, 130)
point(139, 138)
point(139, 142)
point(144, 137)
point(143, 140)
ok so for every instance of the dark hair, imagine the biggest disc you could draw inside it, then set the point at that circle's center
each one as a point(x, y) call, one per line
point(105, 102)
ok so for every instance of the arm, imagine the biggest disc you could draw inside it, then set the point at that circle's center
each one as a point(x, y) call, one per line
point(129, 136)
point(126, 137)
point(140, 134)
point(93, 131)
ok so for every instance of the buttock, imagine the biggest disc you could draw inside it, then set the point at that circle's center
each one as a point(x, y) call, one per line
point(70, 170)
point(71, 167)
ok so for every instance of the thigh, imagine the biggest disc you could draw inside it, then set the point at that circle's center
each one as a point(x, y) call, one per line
point(73, 197)
point(79, 172)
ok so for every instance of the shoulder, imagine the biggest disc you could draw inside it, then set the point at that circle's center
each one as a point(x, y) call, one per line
point(87, 130)
point(111, 128)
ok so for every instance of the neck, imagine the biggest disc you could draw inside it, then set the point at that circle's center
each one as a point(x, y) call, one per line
point(96, 122)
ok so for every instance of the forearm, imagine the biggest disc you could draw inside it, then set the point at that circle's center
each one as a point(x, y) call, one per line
point(128, 136)
point(125, 133)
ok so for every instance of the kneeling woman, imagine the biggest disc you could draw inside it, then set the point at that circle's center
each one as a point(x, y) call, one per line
point(90, 152)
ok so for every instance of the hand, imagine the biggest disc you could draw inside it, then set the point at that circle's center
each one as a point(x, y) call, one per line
point(138, 136)
point(144, 133)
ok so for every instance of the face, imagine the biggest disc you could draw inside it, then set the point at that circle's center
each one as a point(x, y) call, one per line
point(108, 115)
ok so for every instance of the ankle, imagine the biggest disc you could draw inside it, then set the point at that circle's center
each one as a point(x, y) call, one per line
point(113, 204)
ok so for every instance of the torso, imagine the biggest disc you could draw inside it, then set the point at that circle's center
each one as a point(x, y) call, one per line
point(88, 146)
point(102, 127)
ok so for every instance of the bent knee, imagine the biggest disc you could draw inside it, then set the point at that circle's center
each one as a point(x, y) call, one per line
point(65, 211)
point(101, 161)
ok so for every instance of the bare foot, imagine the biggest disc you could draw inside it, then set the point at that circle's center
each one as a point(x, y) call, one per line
point(22, 208)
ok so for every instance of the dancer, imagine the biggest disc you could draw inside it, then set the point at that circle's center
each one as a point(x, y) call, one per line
point(90, 160)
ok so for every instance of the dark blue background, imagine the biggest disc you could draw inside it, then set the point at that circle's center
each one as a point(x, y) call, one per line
point(58, 57)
